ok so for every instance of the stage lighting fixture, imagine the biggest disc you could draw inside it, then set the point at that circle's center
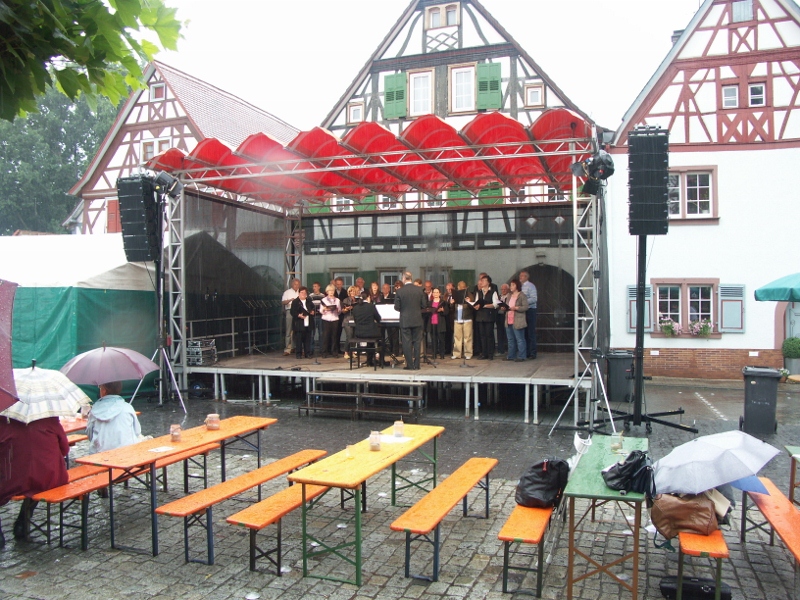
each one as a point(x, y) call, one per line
point(167, 184)
point(597, 168)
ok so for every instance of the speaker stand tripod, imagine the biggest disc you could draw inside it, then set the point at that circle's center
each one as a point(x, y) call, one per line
point(598, 389)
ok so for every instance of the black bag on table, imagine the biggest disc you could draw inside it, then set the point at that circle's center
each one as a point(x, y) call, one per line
point(694, 588)
point(634, 474)
point(542, 485)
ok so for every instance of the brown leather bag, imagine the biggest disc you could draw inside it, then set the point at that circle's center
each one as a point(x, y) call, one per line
point(672, 514)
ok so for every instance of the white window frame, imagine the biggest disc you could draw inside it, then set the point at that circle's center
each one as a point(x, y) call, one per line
point(469, 105)
point(341, 205)
point(155, 89)
point(681, 196)
point(685, 301)
point(731, 101)
point(348, 277)
point(159, 146)
point(455, 8)
point(742, 11)
point(352, 117)
point(756, 99)
point(441, 11)
point(414, 80)
point(430, 12)
point(530, 89)
point(437, 202)
point(385, 202)
point(389, 276)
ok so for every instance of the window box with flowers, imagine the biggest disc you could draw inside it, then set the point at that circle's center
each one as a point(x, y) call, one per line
point(669, 327)
point(702, 328)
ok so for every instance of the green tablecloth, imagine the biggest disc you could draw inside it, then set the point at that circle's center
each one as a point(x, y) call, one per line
point(586, 481)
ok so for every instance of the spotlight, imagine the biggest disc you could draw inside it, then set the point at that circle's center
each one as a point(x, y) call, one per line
point(597, 168)
point(167, 184)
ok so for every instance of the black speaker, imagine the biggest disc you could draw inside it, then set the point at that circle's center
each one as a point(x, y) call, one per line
point(139, 215)
point(648, 176)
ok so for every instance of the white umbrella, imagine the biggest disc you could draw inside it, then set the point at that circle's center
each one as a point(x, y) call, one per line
point(44, 393)
point(103, 365)
point(711, 460)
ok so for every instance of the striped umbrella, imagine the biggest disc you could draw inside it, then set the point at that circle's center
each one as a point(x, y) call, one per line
point(44, 393)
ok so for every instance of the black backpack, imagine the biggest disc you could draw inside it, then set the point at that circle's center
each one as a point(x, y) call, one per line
point(634, 474)
point(542, 485)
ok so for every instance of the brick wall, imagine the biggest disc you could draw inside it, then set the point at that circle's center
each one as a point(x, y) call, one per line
point(706, 364)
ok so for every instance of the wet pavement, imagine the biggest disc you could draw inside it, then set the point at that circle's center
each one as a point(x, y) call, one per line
point(471, 555)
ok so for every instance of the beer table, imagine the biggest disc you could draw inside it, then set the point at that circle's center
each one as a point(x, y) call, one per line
point(73, 425)
point(139, 459)
point(349, 470)
point(586, 481)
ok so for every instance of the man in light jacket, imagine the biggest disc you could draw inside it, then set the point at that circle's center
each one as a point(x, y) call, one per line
point(112, 421)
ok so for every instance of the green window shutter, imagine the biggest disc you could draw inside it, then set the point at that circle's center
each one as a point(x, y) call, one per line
point(490, 195)
point(394, 105)
point(458, 197)
point(322, 278)
point(467, 277)
point(489, 93)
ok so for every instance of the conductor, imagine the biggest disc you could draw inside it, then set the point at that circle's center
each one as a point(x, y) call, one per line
point(409, 301)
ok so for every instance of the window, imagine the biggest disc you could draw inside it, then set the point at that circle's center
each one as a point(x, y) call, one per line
point(462, 89)
point(341, 205)
point(438, 276)
point(534, 95)
point(152, 148)
point(420, 93)
point(355, 112)
point(436, 202)
point(434, 17)
point(441, 16)
point(758, 94)
point(394, 90)
point(388, 203)
point(730, 96)
point(158, 92)
point(349, 277)
point(691, 193)
point(489, 79)
point(669, 302)
point(389, 276)
point(700, 299)
point(742, 10)
point(452, 15)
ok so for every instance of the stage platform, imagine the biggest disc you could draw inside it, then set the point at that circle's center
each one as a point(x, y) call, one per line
point(548, 370)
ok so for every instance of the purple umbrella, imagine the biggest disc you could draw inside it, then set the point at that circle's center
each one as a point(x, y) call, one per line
point(106, 364)
point(8, 390)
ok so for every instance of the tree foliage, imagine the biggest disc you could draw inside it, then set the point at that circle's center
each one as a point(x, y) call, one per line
point(83, 47)
point(43, 155)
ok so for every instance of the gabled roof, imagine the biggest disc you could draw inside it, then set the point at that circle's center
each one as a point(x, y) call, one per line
point(396, 30)
point(674, 52)
point(219, 114)
point(213, 112)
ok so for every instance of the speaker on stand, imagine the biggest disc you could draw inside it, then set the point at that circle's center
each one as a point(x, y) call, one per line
point(139, 214)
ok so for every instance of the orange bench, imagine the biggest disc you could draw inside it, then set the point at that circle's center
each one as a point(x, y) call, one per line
point(74, 438)
point(191, 507)
point(707, 546)
point(525, 525)
point(427, 514)
point(779, 512)
point(272, 510)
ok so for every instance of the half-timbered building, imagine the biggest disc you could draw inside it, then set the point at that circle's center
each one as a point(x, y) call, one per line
point(173, 110)
point(729, 94)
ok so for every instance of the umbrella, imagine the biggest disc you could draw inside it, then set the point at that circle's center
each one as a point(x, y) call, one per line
point(44, 393)
point(750, 484)
point(785, 289)
point(8, 391)
point(711, 460)
point(103, 365)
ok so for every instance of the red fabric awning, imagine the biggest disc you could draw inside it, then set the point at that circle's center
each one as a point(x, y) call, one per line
point(429, 156)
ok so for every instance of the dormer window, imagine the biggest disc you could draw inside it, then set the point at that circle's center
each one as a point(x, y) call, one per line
point(158, 92)
point(534, 95)
point(355, 113)
point(441, 16)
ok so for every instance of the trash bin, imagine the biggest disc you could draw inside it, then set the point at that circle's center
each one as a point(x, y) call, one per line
point(619, 380)
point(760, 400)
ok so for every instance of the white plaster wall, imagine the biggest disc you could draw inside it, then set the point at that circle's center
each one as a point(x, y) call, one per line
point(754, 243)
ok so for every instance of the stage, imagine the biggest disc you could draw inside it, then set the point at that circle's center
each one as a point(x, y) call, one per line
point(548, 370)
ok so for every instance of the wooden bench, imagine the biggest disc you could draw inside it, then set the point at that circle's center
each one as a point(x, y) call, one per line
point(781, 515)
point(525, 525)
point(708, 546)
point(427, 514)
point(192, 507)
point(75, 438)
point(272, 510)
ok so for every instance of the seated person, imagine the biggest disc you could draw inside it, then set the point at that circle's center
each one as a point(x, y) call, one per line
point(31, 461)
point(367, 319)
point(112, 421)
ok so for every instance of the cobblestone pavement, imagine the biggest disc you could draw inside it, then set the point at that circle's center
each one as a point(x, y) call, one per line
point(471, 555)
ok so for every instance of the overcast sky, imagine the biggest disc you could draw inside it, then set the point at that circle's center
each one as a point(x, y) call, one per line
point(296, 58)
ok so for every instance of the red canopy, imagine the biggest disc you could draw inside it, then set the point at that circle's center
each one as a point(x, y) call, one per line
point(429, 156)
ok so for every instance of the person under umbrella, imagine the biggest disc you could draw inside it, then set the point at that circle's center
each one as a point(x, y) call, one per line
point(112, 421)
point(32, 441)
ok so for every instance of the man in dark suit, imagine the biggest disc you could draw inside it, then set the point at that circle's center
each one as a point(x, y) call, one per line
point(367, 320)
point(409, 301)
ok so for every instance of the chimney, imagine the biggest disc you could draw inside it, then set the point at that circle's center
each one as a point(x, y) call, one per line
point(675, 35)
